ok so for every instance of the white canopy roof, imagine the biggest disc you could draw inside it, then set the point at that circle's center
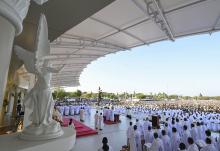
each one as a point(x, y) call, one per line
point(125, 24)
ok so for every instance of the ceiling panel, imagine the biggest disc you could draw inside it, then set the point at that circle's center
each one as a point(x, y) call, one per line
point(148, 31)
point(120, 13)
point(195, 18)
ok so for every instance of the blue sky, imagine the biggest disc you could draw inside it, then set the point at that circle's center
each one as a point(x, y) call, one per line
point(187, 66)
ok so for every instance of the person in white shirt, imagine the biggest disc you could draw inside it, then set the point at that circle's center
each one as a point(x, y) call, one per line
point(209, 146)
point(100, 121)
point(182, 147)
point(129, 133)
point(192, 145)
point(96, 119)
point(105, 146)
point(71, 124)
point(157, 144)
point(166, 141)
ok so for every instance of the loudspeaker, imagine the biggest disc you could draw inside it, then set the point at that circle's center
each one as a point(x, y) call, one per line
point(155, 121)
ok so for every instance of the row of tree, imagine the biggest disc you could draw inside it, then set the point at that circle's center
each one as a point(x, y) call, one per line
point(61, 93)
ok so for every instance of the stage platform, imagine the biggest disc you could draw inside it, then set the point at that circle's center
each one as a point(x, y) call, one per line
point(11, 142)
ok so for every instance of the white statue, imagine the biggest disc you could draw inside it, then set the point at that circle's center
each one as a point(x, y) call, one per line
point(39, 100)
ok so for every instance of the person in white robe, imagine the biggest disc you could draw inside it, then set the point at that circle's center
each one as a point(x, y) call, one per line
point(137, 136)
point(149, 135)
point(182, 147)
point(132, 141)
point(100, 122)
point(139, 126)
point(81, 113)
point(175, 139)
point(209, 135)
point(129, 133)
point(112, 115)
point(199, 131)
point(186, 135)
point(194, 132)
point(166, 141)
point(96, 120)
point(168, 130)
point(192, 145)
point(157, 144)
point(108, 114)
point(218, 143)
point(209, 146)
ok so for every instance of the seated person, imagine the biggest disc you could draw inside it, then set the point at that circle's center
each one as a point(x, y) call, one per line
point(105, 146)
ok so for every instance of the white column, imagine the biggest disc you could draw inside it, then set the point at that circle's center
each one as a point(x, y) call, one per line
point(12, 13)
point(7, 33)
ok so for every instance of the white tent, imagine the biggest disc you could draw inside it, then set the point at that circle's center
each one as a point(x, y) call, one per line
point(125, 24)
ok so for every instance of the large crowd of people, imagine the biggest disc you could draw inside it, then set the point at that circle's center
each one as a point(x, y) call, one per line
point(178, 128)
point(183, 125)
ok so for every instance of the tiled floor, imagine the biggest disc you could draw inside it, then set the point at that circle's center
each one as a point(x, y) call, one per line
point(116, 135)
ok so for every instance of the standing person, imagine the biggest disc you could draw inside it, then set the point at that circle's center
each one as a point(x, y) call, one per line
point(137, 136)
point(132, 142)
point(209, 135)
point(186, 135)
point(166, 141)
point(100, 121)
point(96, 120)
point(192, 145)
point(175, 139)
point(157, 144)
point(194, 132)
point(182, 147)
point(129, 133)
point(149, 135)
point(105, 146)
point(209, 146)
point(81, 112)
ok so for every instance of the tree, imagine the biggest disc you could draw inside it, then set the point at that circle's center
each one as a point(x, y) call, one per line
point(140, 96)
point(78, 93)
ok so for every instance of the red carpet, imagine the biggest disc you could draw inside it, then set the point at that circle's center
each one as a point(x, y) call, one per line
point(81, 129)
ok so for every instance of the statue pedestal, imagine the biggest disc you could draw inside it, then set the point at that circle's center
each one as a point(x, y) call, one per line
point(42, 132)
point(66, 142)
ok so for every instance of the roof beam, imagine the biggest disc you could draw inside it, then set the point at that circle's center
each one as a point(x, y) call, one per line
point(157, 16)
point(215, 24)
point(87, 48)
point(86, 42)
point(58, 57)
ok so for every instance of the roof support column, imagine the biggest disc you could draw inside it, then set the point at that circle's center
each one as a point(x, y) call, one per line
point(12, 13)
